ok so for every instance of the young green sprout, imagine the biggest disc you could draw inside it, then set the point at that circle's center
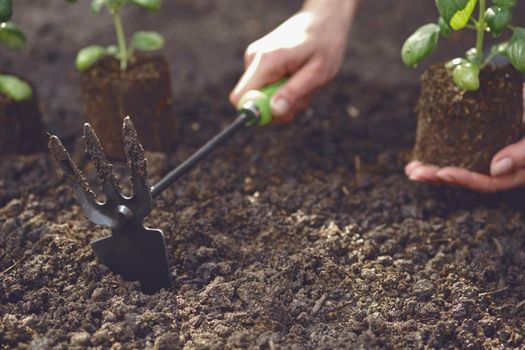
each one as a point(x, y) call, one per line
point(141, 40)
point(13, 38)
point(460, 14)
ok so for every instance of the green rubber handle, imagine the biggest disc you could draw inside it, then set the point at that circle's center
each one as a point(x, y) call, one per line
point(261, 100)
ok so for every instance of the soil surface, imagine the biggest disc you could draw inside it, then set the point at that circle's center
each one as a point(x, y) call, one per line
point(300, 236)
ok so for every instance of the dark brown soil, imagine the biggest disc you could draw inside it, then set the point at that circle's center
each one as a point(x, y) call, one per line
point(275, 244)
point(142, 92)
point(302, 236)
point(21, 130)
point(467, 128)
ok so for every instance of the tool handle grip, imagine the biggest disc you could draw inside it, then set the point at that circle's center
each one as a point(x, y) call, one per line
point(260, 99)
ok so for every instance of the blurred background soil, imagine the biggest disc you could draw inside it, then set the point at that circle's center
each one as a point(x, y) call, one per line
point(205, 43)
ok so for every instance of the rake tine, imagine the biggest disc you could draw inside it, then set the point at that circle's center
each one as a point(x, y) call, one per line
point(137, 164)
point(104, 169)
point(85, 195)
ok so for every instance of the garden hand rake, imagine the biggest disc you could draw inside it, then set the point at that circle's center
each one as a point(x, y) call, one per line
point(134, 251)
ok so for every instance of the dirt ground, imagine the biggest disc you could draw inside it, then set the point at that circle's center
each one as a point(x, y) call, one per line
point(300, 236)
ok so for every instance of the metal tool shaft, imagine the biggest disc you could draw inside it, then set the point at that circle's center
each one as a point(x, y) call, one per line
point(189, 163)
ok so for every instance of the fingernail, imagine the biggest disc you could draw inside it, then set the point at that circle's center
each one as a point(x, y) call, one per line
point(502, 167)
point(415, 175)
point(444, 176)
point(410, 167)
point(280, 107)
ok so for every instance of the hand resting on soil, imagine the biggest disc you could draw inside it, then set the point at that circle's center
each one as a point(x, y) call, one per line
point(507, 171)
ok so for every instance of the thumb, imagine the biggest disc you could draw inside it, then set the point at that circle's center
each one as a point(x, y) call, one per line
point(288, 99)
point(508, 159)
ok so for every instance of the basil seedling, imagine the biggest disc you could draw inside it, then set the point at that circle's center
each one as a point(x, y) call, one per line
point(142, 40)
point(13, 38)
point(460, 14)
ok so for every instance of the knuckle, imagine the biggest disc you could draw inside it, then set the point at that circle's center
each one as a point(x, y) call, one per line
point(250, 50)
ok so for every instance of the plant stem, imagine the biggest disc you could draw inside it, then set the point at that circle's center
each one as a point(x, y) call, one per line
point(480, 26)
point(121, 40)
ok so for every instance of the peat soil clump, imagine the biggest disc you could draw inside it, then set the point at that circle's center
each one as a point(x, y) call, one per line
point(467, 128)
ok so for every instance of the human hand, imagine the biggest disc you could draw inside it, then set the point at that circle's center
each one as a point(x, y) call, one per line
point(309, 47)
point(507, 171)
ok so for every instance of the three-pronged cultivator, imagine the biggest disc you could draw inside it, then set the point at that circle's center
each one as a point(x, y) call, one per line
point(132, 250)
point(136, 252)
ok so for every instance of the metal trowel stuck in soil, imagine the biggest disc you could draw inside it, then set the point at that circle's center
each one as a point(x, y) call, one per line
point(132, 250)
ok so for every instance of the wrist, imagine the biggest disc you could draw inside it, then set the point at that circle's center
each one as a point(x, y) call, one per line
point(344, 10)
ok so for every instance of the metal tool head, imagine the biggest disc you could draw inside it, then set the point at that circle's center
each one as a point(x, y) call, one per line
point(136, 252)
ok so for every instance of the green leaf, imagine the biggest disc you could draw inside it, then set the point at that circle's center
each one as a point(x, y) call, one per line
point(96, 6)
point(461, 18)
point(88, 56)
point(448, 8)
point(516, 49)
point(152, 5)
point(6, 10)
point(466, 76)
point(71, 1)
point(444, 28)
point(420, 44)
point(456, 12)
point(147, 41)
point(11, 36)
point(505, 3)
point(500, 49)
point(15, 88)
point(498, 19)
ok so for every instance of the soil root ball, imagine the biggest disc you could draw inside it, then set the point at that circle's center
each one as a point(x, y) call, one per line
point(467, 128)
point(142, 92)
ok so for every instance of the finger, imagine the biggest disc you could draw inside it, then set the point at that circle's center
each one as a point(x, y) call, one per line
point(249, 54)
point(411, 166)
point(301, 106)
point(508, 159)
point(480, 182)
point(425, 173)
point(303, 83)
point(264, 69)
